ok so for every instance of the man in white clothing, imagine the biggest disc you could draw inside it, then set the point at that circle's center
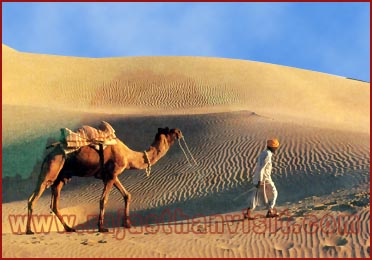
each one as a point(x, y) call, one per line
point(263, 182)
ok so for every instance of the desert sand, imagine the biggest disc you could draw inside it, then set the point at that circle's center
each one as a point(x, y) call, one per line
point(226, 110)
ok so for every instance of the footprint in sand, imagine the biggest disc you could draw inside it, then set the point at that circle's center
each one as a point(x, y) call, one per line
point(225, 245)
point(319, 206)
point(344, 208)
point(333, 242)
point(88, 242)
point(283, 245)
point(330, 203)
point(36, 240)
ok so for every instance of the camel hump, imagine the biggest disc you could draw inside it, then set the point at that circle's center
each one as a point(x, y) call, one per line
point(87, 135)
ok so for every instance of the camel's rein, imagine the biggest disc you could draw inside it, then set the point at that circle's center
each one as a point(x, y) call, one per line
point(188, 150)
point(148, 169)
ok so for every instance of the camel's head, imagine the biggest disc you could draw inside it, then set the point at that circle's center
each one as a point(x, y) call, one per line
point(176, 132)
point(170, 134)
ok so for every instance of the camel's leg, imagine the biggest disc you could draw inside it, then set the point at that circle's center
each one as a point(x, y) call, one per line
point(31, 203)
point(102, 204)
point(49, 172)
point(56, 195)
point(127, 198)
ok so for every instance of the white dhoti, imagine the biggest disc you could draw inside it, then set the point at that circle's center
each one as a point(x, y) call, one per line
point(266, 195)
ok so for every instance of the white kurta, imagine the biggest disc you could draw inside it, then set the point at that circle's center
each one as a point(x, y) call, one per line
point(266, 194)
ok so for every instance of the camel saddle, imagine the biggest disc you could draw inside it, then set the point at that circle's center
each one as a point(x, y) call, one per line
point(99, 139)
point(87, 135)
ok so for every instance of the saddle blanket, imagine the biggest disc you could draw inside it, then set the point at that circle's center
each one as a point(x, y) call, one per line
point(88, 135)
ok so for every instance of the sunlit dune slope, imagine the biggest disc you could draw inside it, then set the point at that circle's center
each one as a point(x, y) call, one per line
point(183, 85)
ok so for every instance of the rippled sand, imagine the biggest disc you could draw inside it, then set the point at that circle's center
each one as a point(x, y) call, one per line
point(226, 110)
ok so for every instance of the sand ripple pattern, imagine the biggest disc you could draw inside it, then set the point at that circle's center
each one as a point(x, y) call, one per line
point(310, 162)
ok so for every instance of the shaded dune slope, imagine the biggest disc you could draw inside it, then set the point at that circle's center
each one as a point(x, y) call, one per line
point(225, 145)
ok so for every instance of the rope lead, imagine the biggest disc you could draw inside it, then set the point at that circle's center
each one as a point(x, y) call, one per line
point(192, 157)
point(183, 150)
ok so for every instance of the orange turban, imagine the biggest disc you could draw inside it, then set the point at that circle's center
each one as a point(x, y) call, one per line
point(273, 143)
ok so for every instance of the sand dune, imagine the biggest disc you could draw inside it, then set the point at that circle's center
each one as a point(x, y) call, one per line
point(184, 85)
point(225, 109)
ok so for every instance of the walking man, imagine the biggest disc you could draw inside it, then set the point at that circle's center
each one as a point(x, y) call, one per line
point(263, 182)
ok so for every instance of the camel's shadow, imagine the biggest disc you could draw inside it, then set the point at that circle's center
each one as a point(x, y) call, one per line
point(188, 213)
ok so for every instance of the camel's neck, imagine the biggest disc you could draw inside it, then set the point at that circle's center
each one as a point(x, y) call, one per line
point(138, 160)
point(154, 154)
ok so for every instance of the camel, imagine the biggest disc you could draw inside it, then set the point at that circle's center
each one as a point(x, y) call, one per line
point(57, 169)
